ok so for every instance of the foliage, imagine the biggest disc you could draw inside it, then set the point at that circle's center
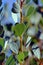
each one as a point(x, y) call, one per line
point(41, 22)
point(10, 61)
point(2, 57)
point(19, 29)
point(27, 1)
point(33, 62)
point(2, 42)
point(30, 10)
point(22, 55)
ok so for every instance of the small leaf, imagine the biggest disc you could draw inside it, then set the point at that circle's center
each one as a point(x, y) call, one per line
point(30, 10)
point(14, 47)
point(19, 29)
point(2, 42)
point(25, 53)
point(20, 57)
point(41, 22)
point(10, 61)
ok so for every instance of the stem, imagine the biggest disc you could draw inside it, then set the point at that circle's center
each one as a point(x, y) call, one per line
point(21, 16)
point(21, 21)
point(21, 44)
point(21, 4)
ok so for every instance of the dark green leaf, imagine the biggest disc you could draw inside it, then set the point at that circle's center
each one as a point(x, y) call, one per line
point(25, 53)
point(1, 29)
point(2, 57)
point(41, 22)
point(10, 61)
point(34, 40)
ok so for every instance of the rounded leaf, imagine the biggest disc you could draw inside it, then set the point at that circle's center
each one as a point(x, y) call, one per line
point(19, 29)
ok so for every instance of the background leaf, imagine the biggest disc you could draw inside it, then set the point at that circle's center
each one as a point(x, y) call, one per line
point(27, 1)
point(2, 57)
point(30, 10)
point(2, 42)
point(32, 62)
point(42, 1)
point(25, 53)
point(41, 22)
point(10, 61)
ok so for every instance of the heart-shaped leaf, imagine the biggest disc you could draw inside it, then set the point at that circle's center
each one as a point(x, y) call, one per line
point(10, 61)
point(2, 42)
point(19, 29)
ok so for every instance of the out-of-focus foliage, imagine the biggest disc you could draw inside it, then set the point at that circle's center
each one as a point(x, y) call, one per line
point(33, 62)
point(10, 61)
point(2, 42)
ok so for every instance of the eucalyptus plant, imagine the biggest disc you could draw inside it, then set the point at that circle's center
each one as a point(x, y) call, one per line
point(24, 32)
